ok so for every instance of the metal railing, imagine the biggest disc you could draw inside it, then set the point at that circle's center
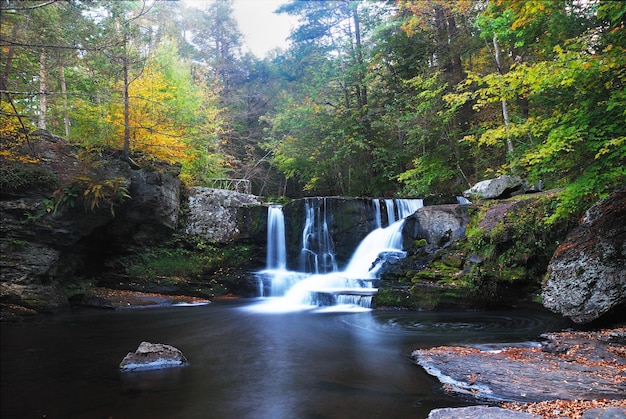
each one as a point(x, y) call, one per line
point(237, 185)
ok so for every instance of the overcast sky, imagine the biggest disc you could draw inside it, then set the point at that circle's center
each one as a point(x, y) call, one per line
point(262, 29)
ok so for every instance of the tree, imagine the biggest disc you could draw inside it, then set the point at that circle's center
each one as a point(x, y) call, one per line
point(574, 94)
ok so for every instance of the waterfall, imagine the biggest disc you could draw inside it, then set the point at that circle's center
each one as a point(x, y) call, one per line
point(276, 249)
point(391, 216)
point(319, 283)
point(377, 214)
point(317, 254)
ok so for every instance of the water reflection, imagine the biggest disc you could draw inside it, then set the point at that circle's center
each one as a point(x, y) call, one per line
point(242, 364)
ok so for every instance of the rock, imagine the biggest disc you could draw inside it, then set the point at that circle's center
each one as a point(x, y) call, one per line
point(610, 413)
point(213, 213)
point(149, 356)
point(478, 412)
point(586, 276)
point(573, 366)
point(45, 245)
point(152, 213)
point(437, 224)
point(500, 187)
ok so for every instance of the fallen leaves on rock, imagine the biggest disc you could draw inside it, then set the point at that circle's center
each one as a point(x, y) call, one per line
point(125, 298)
point(588, 367)
point(556, 409)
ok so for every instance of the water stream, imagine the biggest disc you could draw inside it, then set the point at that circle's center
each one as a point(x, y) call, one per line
point(242, 364)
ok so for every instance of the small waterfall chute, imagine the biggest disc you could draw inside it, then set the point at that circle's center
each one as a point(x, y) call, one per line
point(276, 247)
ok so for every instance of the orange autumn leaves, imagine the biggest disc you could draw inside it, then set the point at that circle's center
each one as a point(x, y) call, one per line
point(163, 114)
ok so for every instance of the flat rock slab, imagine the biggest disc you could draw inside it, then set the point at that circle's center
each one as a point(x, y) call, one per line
point(567, 366)
point(117, 299)
point(150, 356)
point(479, 412)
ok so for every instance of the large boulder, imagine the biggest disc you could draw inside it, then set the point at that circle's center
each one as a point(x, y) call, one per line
point(436, 224)
point(586, 276)
point(214, 214)
point(500, 187)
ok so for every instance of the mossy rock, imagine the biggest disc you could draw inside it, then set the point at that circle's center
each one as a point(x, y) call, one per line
point(453, 260)
point(423, 297)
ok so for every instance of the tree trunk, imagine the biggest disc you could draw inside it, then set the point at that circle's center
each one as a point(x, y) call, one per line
point(505, 105)
point(66, 115)
point(361, 88)
point(4, 80)
point(126, 150)
point(43, 109)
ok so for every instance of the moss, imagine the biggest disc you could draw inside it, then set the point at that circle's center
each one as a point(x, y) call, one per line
point(453, 260)
point(25, 177)
point(77, 288)
point(418, 244)
point(177, 262)
point(422, 297)
point(425, 275)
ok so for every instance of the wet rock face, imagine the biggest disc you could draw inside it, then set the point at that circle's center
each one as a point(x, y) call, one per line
point(346, 221)
point(586, 276)
point(150, 356)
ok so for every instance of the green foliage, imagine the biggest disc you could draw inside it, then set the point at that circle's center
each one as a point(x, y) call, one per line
point(181, 262)
point(93, 193)
point(412, 104)
point(519, 246)
point(574, 135)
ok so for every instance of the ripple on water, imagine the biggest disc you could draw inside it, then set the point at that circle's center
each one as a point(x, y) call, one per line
point(464, 326)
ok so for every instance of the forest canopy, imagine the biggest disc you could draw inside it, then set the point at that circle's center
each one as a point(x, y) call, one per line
point(375, 98)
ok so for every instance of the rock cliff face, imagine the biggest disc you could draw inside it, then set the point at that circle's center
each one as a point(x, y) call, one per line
point(587, 275)
point(53, 237)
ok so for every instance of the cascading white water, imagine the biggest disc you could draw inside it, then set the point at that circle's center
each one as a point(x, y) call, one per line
point(275, 279)
point(276, 248)
point(351, 287)
point(378, 218)
point(391, 216)
point(317, 254)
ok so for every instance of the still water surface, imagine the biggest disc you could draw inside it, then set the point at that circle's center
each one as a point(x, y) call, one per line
point(243, 364)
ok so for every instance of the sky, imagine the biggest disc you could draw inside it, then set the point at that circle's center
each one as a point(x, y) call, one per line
point(262, 29)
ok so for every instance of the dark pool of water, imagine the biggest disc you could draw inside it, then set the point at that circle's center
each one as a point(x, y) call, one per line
point(243, 364)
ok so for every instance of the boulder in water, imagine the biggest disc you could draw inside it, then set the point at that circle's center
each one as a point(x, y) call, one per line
point(150, 356)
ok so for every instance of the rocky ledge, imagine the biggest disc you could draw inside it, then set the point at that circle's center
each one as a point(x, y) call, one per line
point(565, 368)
